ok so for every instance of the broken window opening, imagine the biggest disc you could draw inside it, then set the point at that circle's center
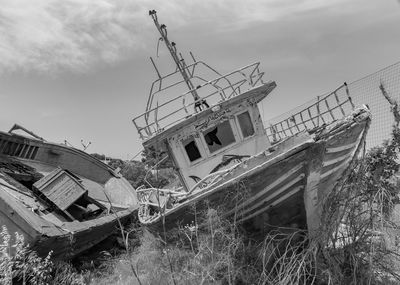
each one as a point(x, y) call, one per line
point(219, 136)
point(246, 126)
point(192, 150)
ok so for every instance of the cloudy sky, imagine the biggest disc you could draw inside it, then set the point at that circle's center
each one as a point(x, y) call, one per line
point(80, 69)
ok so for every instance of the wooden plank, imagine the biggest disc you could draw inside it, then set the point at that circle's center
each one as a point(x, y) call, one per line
point(22, 215)
point(274, 203)
point(61, 188)
point(288, 172)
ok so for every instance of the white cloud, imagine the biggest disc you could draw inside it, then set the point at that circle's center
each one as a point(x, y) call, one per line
point(47, 35)
point(54, 35)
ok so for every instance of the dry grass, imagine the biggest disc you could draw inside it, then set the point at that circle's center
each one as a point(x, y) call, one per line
point(216, 253)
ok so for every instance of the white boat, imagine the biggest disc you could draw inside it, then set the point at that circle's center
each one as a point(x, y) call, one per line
point(263, 177)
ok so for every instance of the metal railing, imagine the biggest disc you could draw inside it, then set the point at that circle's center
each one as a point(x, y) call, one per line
point(164, 109)
point(312, 115)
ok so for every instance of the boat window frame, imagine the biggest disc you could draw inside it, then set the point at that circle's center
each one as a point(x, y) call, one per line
point(202, 145)
point(199, 147)
point(240, 132)
point(235, 132)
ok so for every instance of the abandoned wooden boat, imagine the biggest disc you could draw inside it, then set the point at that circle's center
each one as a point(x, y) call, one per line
point(58, 197)
point(261, 177)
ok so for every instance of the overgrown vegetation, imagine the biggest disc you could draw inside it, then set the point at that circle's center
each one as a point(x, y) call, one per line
point(216, 253)
point(20, 265)
point(24, 265)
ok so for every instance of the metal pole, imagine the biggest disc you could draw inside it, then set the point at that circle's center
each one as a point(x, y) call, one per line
point(172, 49)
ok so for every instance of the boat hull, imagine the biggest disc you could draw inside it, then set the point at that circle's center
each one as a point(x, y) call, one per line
point(24, 161)
point(281, 187)
point(81, 236)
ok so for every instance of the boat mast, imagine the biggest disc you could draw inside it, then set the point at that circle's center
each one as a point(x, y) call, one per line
point(172, 49)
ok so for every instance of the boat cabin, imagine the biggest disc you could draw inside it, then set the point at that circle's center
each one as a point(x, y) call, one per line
point(215, 138)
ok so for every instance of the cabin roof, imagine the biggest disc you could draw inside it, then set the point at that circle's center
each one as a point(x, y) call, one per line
point(255, 94)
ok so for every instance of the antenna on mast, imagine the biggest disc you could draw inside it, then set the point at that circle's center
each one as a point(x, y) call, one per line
point(180, 63)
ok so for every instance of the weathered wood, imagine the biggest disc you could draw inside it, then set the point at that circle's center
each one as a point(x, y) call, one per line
point(61, 188)
point(21, 210)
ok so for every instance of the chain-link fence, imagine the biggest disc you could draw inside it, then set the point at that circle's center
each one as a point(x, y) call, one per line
point(366, 91)
point(362, 91)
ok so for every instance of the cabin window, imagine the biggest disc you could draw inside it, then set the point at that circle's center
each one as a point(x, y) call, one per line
point(219, 136)
point(191, 149)
point(246, 125)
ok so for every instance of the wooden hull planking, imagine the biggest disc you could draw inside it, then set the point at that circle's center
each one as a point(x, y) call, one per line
point(81, 236)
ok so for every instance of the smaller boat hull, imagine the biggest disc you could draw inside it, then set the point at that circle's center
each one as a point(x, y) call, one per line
point(81, 236)
point(59, 198)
